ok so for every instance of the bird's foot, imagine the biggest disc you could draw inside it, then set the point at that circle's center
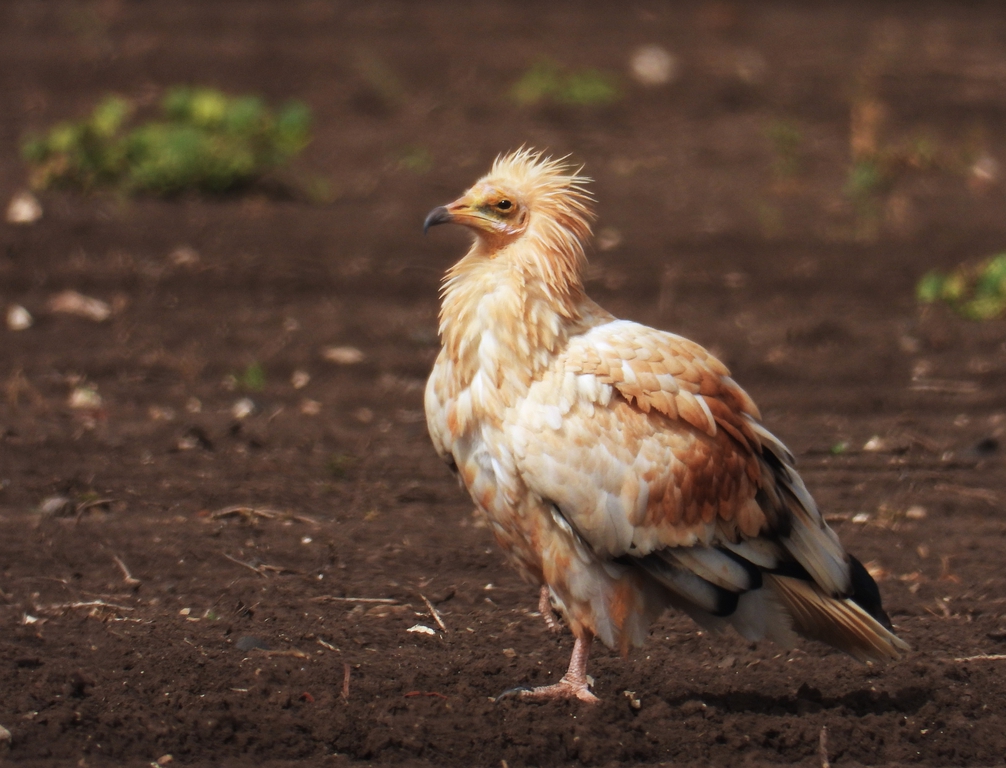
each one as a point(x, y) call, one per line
point(564, 689)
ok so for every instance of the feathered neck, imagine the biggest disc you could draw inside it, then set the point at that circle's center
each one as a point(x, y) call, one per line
point(508, 306)
point(510, 310)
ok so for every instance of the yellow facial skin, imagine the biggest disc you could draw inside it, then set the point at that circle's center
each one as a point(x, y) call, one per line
point(485, 209)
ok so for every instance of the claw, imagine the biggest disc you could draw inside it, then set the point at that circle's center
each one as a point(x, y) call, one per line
point(520, 690)
point(573, 684)
point(564, 689)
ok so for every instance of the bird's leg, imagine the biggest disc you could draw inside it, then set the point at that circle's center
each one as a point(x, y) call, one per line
point(573, 684)
point(545, 609)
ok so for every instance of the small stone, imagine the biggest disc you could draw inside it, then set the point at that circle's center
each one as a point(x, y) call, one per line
point(861, 518)
point(184, 256)
point(55, 506)
point(608, 239)
point(985, 169)
point(24, 208)
point(161, 413)
point(916, 512)
point(85, 398)
point(874, 444)
point(342, 355)
point(653, 65)
point(363, 415)
point(510, 653)
point(422, 629)
point(5, 738)
point(243, 408)
point(300, 379)
point(164, 759)
point(18, 318)
point(74, 303)
point(310, 407)
point(634, 701)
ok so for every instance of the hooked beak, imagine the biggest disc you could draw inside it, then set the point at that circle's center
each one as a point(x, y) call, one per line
point(438, 215)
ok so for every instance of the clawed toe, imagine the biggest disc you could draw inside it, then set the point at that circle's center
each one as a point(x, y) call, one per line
point(510, 693)
point(564, 689)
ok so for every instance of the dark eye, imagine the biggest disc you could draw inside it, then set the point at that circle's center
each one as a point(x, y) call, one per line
point(504, 205)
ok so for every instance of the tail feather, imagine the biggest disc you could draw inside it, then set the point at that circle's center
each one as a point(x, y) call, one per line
point(779, 604)
point(839, 622)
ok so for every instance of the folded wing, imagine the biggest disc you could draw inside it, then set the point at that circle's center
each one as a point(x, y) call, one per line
point(655, 457)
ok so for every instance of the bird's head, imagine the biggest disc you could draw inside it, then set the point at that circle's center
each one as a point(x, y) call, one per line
point(526, 196)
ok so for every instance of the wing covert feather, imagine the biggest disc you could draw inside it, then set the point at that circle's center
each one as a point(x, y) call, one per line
point(669, 462)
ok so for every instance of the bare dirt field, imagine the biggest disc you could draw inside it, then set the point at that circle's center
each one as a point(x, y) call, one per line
point(235, 589)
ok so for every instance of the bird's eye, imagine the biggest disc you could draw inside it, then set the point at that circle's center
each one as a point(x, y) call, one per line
point(504, 205)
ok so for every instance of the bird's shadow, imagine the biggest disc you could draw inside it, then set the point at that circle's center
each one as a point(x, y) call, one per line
point(808, 700)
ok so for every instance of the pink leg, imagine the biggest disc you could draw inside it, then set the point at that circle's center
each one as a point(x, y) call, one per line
point(573, 684)
point(545, 609)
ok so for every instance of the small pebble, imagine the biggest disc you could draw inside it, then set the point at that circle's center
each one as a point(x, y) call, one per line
point(24, 208)
point(634, 701)
point(243, 408)
point(18, 318)
point(184, 256)
point(85, 399)
point(422, 629)
point(652, 65)
point(342, 355)
point(874, 444)
point(608, 239)
point(55, 506)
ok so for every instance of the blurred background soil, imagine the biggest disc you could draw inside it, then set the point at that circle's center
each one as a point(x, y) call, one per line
point(196, 493)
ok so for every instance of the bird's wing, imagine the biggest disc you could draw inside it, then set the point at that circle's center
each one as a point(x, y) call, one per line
point(644, 444)
point(434, 400)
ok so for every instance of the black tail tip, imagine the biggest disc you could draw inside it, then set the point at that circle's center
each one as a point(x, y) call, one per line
point(866, 593)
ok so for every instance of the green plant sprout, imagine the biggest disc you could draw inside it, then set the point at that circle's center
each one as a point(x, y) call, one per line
point(547, 81)
point(253, 378)
point(976, 291)
point(206, 141)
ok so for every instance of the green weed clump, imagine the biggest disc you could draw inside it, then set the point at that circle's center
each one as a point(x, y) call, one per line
point(976, 291)
point(547, 81)
point(205, 141)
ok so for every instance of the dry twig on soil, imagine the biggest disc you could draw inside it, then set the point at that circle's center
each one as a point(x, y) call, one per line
point(262, 569)
point(253, 513)
point(434, 613)
point(334, 599)
point(126, 575)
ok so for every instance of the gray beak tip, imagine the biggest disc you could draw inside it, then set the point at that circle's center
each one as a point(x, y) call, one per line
point(438, 215)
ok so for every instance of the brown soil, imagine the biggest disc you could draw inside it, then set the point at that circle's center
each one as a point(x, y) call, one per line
point(806, 293)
